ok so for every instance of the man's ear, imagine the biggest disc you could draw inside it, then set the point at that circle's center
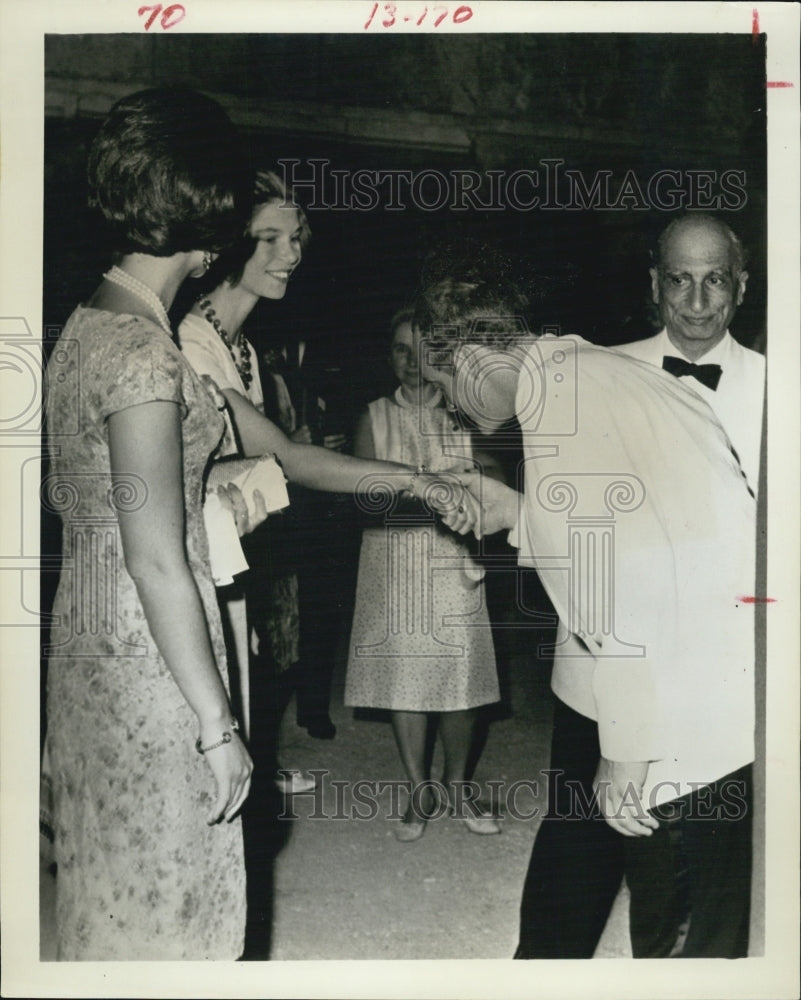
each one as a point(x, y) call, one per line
point(742, 281)
point(654, 284)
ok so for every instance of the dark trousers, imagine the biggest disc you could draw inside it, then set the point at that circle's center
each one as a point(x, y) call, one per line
point(578, 860)
point(689, 881)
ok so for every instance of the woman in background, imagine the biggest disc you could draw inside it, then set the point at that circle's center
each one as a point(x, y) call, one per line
point(405, 655)
point(146, 761)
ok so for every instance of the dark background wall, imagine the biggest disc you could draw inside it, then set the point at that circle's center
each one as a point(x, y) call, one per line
point(613, 103)
point(436, 102)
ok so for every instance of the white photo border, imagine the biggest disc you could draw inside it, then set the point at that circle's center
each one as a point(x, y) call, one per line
point(24, 25)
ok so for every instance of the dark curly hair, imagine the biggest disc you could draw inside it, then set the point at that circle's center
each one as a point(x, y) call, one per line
point(167, 172)
point(471, 293)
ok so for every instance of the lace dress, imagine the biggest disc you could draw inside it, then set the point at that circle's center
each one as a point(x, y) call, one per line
point(140, 873)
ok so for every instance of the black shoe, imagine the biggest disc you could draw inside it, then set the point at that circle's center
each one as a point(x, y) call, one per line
point(320, 727)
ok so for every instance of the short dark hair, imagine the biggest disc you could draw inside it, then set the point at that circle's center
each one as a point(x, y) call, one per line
point(267, 187)
point(168, 173)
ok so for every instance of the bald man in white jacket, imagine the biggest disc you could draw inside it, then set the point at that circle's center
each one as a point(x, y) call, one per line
point(698, 281)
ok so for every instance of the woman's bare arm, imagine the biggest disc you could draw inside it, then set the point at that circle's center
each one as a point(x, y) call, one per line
point(145, 441)
point(316, 468)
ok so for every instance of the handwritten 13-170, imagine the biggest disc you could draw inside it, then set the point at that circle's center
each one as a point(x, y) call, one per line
point(439, 13)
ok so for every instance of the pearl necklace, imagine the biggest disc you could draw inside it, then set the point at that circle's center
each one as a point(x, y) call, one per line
point(142, 292)
point(243, 366)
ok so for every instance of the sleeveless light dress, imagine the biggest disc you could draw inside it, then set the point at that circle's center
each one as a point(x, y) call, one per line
point(421, 638)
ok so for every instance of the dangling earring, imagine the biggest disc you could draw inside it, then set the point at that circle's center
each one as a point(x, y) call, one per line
point(207, 260)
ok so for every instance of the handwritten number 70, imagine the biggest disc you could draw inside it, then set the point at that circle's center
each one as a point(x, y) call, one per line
point(170, 16)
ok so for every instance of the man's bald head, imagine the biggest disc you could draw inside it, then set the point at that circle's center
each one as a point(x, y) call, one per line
point(698, 281)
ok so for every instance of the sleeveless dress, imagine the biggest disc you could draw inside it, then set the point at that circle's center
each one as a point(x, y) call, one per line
point(140, 873)
point(421, 638)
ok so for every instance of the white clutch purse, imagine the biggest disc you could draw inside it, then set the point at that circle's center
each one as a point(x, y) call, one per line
point(248, 474)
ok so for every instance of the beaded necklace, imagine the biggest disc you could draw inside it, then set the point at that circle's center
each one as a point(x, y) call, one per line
point(143, 292)
point(243, 366)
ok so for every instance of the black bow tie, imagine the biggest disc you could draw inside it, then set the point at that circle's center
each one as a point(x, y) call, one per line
point(708, 374)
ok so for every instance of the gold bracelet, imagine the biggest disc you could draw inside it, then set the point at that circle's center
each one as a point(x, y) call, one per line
point(227, 736)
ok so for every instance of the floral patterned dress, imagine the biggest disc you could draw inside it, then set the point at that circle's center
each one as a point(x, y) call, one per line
point(140, 873)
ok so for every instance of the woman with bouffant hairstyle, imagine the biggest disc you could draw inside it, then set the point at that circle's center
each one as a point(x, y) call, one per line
point(163, 175)
point(148, 770)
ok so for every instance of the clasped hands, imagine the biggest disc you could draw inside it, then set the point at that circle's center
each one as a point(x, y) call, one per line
point(467, 501)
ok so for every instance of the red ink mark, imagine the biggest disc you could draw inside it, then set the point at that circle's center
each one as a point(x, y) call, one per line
point(757, 600)
point(369, 20)
point(755, 26)
point(779, 83)
point(459, 16)
point(169, 17)
point(392, 10)
point(156, 11)
point(176, 11)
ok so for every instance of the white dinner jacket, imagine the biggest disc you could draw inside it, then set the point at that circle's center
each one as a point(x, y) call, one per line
point(738, 399)
point(637, 518)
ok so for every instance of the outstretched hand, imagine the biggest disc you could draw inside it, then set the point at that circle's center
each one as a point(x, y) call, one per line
point(445, 493)
point(497, 504)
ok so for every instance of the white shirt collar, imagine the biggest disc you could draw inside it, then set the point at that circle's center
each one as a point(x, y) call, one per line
point(717, 355)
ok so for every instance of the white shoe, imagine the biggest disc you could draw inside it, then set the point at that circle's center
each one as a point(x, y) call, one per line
point(293, 782)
